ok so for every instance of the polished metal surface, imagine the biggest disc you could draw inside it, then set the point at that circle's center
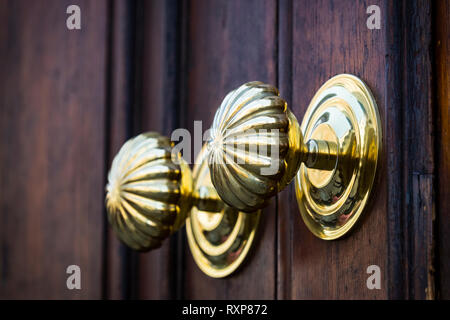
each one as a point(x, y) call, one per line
point(147, 195)
point(337, 147)
point(219, 242)
point(150, 193)
point(343, 113)
point(249, 146)
point(255, 149)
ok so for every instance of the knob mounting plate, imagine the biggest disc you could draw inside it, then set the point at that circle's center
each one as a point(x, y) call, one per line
point(343, 111)
point(219, 241)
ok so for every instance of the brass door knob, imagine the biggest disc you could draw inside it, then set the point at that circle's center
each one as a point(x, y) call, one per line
point(151, 193)
point(257, 147)
point(148, 191)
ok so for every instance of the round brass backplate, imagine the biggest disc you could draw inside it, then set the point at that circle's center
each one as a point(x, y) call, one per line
point(219, 241)
point(343, 111)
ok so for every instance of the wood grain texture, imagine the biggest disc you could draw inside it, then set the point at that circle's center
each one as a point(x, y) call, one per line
point(157, 98)
point(411, 210)
point(230, 43)
point(396, 252)
point(120, 104)
point(442, 67)
point(418, 149)
point(396, 231)
point(329, 38)
point(287, 211)
point(52, 121)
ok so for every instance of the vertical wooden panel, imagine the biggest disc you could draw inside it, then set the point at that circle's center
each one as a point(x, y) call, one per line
point(410, 148)
point(329, 38)
point(158, 55)
point(52, 123)
point(442, 47)
point(396, 231)
point(230, 43)
point(418, 149)
point(393, 133)
point(118, 275)
point(287, 210)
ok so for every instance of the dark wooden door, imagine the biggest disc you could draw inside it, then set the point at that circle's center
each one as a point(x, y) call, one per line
point(70, 98)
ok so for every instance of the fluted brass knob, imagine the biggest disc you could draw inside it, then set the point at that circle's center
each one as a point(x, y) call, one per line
point(151, 193)
point(257, 147)
point(252, 151)
point(148, 191)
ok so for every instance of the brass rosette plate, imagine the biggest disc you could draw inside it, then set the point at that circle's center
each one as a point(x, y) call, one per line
point(343, 112)
point(219, 241)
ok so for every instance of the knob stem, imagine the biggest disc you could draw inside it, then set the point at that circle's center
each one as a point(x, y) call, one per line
point(321, 154)
point(207, 199)
point(315, 153)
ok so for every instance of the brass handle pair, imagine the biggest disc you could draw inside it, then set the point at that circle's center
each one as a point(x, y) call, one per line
point(256, 148)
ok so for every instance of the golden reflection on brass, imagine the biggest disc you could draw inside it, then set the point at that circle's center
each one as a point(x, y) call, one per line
point(148, 193)
point(256, 149)
point(219, 242)
point(334, 153)
point(342, 111)
point(250, 119)
point(151, 192)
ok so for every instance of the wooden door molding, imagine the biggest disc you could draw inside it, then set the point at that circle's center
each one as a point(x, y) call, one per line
point(145, 96)
point(229, 43)
point(441, 46)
